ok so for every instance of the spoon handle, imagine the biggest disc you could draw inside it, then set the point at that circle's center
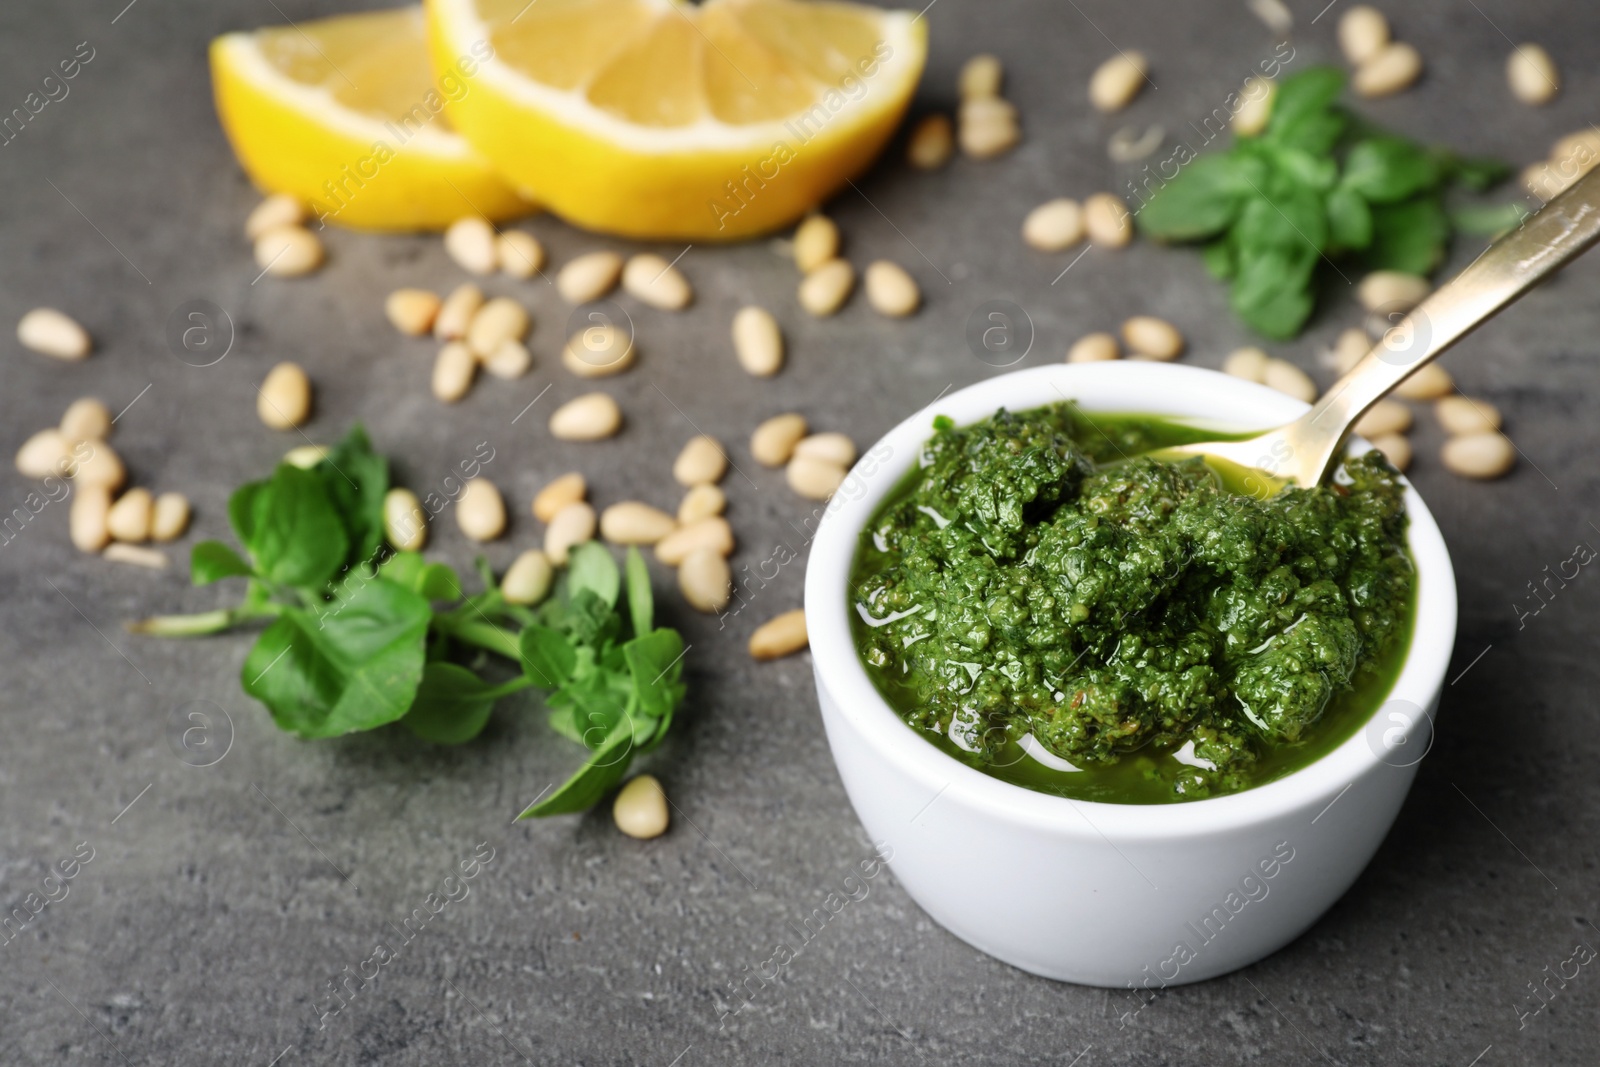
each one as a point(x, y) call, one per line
point(1563, 229)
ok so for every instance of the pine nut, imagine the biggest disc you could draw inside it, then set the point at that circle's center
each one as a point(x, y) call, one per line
point(279, 209)
point(814, 478)
point(405, 524)
point(1153, 337)
point(284, 399)
point(824, 290)
point(702, 501)
point(481, 510)
point(757, 341)
point(567, 489)
point(453, 371)
point(1396, 448)
point(87, 518)
point(1429, 383)
point(1097, 347)
point(1396, 66)
point(591, 417)
point(1107, 221)
point(773, 441)
point(1285, 377)
point(1249, 363)
point(1384, 417)
point(45, 453)
point(1479, 455)
point(501, 319)
point(52, 333)
point(511, 359)
point(1117, 81)
point(520, 254)
point(651, 279)
point(1462, 415)
point(1054, 225)
point(569, 527)
point(457, 311)
point(599, 352)
point(980, 77)
point(86, 419)
point(1581, 148)
point(1532, 75)
point(987, 128)
point(709, 535)
point(633, 523)
point(153, 558)
point(412, 311)
point(288, 252)
point(890, 290)
point(1348, 350)
point(833, 447)
point(102, 467)
point(701, 462)
point(1255, 106)
point(171, 517)
point(1363, 33)
point(706, 580)
point(932, 143)
point(527, 581)
point(640, 809)
point(1392, 291)
point(589, 277)
point(780, 637)
point(816, 241)
point(305, 456)
point(129, 518)
point(471, 242)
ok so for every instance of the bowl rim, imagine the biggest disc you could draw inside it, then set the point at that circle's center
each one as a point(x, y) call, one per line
point(1207, 397)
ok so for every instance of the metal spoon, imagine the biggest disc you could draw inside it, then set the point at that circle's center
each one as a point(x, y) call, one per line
point(1303, 452)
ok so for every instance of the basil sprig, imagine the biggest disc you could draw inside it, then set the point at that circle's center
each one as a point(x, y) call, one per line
point(359, 636)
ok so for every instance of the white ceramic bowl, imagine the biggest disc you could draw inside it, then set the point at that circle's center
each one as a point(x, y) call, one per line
point(1114, 894)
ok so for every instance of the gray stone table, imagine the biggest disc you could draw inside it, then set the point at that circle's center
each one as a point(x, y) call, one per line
point(220, 901)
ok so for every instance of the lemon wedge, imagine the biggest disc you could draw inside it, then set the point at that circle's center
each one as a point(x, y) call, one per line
point(344, 114)
point(658, 118)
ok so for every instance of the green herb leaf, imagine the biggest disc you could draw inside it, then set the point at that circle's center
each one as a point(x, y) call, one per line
point(293, 528)
point(1272, 291)
point(212, 561)
point(591, 567)
point(1349, 220)
point(1409, 236)
point(655, 663)
point(1218, 259)
point(1301, 115)
point(548, 657)
point(433, 581)
point(1476, 174)
point(603, 769)
point(1488, 221)
point(1291, 220)
point(452, 705)
point(353, 667)
point(1388, 169)
point(1202, 200)
point(641, 601)
point(357, 478)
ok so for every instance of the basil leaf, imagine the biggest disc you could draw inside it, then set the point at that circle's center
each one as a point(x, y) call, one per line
point(1349, 220)
point(357, 478)
point(655, 663)
point(452, 705)
point(564, 721)
point(1300, 110)
point(548, 657)
point(589, 620)
point(212, 561)
point(641, 602)
point(603, 769)
point(433, 581)
point(242, 511)
point(1293, 219)
point(1488, 221)
point(599, 704)
point(354, 667)
point(1312, 171)
point(1272, 291)
point(295, 532)
point(1201, 201)
point(1409, 236)
point(1388, 169)
point(591, 567)
point(1218, 259)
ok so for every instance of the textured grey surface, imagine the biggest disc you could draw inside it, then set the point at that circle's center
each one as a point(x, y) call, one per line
point(219, 905)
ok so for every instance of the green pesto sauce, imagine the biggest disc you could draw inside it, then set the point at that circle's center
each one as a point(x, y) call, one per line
point(1038, 575)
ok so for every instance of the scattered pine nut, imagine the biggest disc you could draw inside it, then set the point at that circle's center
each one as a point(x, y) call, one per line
point(773, 441)
point(987, 128)
point(633, 523)
point(87, 519)
point(1255, 106)
point(305, 456)
point(1155, 338)
point(1363, 33)
point(284, 399)
point(527, 581)
point(701, 462)
point(1479, 455)
point(279, 209)
point(1348, 350)
point(138, 555)
point(288, 252)
point(1098, 347)
point(520, 254)
point(706, 580)
point(891, 290)
point(702, 501)
point(782, 636)
point(1532, 75)
point(1383, 418)
point(932, 143)
point(569, 527)
point(591, 417)
point(471, 242)
point(1054, 225)
point(45, 453)
point(833, 447)
point(1117, 81)
point(453, 371)
point(1285, 377)
point(757, 341)
point(86, 419)
point(980, 77)
point(501, 319)
point(1463, 415)
point(129, 518)
point(640, 810)
point(567, 489)
point(102, 467)
point(1249, 363)
point(510, 359)
point(651, 279)
point(481, 510)
point(412, 311)
point(52, 333)
point(824, 290)
point(1107, 221)
point(1395, 67)
point(455, 314)
point(1430, 382)
point(816, 241)
point(589, 277)
point(711, 535)
point(599, 352)
point(405, 524)
point(1581, 148)
point(814, 478)
point(1392, 291)
point(1396, 448)
point(171, 517)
